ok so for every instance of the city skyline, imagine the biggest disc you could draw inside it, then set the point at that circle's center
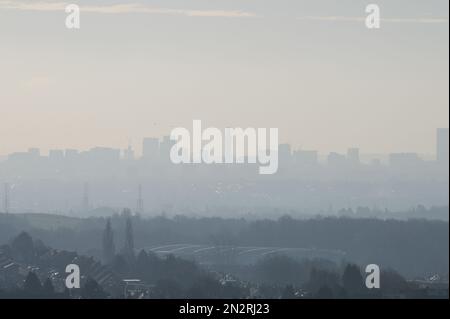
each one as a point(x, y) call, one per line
point(128, 151)
point(118, 175)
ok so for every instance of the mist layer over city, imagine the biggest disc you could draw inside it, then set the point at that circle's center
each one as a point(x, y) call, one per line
point(335, 184)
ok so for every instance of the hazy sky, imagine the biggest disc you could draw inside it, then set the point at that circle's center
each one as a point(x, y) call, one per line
point(140, 68)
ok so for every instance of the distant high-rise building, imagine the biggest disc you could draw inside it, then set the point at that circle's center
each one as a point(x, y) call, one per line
point(336, 159)
point(71, 154)
point(103, 155)
point(128, 249)
point(34, 152)
point(150, 148)
point(128, 154)
point(442, 149)
point(165, 147)
point(353, 155)
point(109, 249)
point(56, 155)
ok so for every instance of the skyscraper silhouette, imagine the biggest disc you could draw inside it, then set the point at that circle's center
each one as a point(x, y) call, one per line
point(109, 248)
point(128, 249)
